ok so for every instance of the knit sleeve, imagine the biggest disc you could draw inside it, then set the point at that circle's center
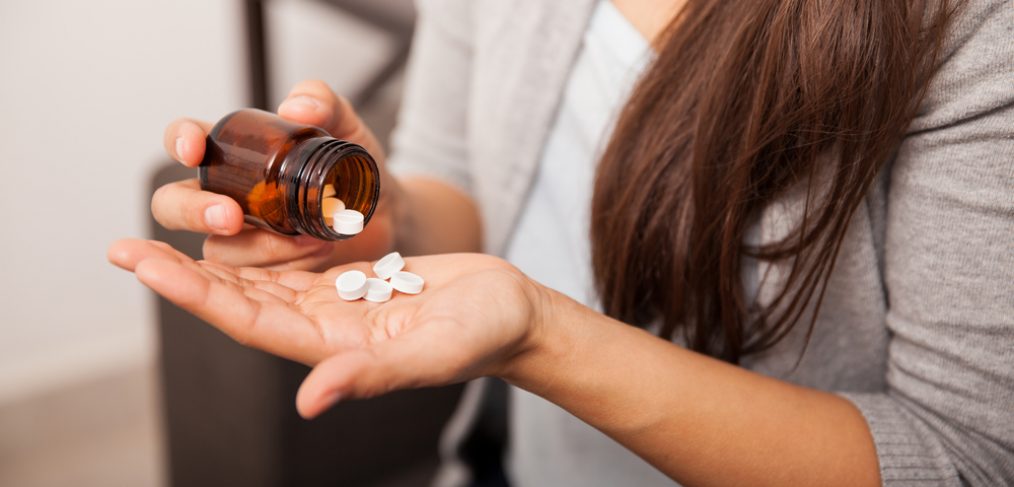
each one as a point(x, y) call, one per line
point(430, 137)
point(947, 416)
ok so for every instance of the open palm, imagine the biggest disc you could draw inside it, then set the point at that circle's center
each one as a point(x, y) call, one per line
point(475, 312)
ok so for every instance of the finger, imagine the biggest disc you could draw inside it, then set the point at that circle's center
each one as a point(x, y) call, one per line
point(231, 274)
point(363, 373)
point(183, 206)
point(260, 248)
point(297, 280)
point(313, 102)
point(184, 140)
point(126, 253)
point(266, 297)
point(247, 317)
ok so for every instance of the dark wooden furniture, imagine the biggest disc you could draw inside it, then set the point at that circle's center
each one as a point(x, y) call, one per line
point(394, 17)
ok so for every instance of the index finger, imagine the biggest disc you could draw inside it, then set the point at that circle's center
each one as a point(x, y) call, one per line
point(253, 318)
point(182, 205)
point(313, 102)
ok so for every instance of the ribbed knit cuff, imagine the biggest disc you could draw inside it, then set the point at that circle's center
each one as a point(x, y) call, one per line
point(908, 453)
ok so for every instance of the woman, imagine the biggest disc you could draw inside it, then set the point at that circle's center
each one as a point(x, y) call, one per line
point(813, 200)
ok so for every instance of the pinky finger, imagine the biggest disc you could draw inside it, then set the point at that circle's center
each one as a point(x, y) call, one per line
point(255, 319)
point(364, 373)
point(184, 140)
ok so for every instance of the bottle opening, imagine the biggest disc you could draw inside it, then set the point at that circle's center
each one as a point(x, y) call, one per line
point(354, 177)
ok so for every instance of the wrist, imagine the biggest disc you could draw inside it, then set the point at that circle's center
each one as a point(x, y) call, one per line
point(380, 236)
point(399, 212)
point(548, 342)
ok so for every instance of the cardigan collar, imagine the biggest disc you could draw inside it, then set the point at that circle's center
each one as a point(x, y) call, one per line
point(540, 84)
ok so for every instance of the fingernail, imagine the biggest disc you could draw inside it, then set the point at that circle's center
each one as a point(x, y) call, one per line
point(214, 217)
point(303, 102)
point(181, 145)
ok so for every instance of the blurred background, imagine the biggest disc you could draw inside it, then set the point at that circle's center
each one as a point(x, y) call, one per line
point(100, 383)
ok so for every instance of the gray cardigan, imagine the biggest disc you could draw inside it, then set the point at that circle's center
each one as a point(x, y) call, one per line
point(917, 328)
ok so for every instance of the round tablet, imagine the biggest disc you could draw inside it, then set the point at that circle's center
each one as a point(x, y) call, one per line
point(330, 206)
point(377, 290)
point(348, 222)
point(407, 282)
point(351, 285)
point(388, 265)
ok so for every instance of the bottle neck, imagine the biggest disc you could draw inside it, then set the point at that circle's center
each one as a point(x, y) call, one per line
point(320, 161)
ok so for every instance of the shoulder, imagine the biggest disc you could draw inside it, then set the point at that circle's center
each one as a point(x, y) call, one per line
point(976, 71)
point(950, 184)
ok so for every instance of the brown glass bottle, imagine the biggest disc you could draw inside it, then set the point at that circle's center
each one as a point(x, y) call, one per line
point(276, 170)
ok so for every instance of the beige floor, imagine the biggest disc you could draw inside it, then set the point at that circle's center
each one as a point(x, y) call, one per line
point(102, 433)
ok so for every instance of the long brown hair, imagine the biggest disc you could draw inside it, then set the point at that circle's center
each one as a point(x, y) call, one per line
point(745, 101)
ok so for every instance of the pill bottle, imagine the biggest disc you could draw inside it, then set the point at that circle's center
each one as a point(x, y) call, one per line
point(277, 170)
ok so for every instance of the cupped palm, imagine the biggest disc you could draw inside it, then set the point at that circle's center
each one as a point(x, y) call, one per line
point(475, 311)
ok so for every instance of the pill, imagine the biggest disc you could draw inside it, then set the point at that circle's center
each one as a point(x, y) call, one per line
point(351, 285)
point(377, 290)
point(348, 222)
point(388, 265)
point(330, 206)
point(329, 190)
point(407, 282)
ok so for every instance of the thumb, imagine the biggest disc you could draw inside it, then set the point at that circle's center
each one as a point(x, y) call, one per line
point(314, 103)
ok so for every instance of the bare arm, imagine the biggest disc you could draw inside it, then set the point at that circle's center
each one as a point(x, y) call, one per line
point(699, 420)
point(436, 217)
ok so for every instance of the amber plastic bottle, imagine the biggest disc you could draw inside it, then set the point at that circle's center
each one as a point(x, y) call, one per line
point(276, 170)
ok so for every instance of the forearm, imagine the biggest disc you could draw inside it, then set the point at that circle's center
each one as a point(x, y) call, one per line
point(699, 420)
point(433, 217)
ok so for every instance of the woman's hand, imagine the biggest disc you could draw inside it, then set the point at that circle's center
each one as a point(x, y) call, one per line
point(476, 314)
point(183, 206)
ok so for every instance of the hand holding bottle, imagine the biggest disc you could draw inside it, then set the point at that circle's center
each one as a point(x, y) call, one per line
point(184, 206)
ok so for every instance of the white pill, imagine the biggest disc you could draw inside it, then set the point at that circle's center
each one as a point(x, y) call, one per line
point(348, 222)
point(330, 206)
point(407, 282)
point(377, 290)
point(329, 190)
point(388, 265)
point(351, 285)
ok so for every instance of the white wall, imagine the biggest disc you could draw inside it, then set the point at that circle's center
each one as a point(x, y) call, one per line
point(86, 88)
